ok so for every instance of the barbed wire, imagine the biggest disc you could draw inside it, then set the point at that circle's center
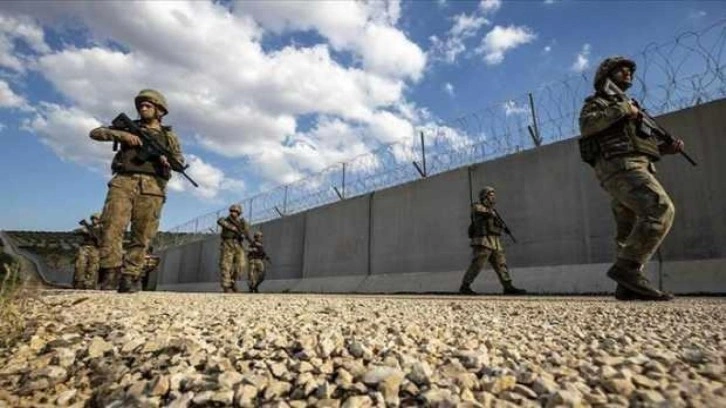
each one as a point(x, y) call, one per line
point(686, 71)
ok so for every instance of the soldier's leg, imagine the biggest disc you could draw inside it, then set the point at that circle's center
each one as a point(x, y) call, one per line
point(91, 269)
point(641, 193)
point(115, 218)
point(624, 222)
point(226, 264)
point(79, 269)
point(498, 262)
point(241, 266)
point(145, 217)
point(261, 270)
point(479, 258)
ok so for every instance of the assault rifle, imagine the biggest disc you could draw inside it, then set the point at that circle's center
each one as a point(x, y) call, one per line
point(150, 147)
point(241, 235)
point(504, 224)
point(91, 231)
point(648, 125)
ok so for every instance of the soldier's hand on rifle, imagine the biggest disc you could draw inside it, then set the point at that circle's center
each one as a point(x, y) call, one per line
point(673, 148)
point(127, 138)
point(633, 110)
point(164, 162)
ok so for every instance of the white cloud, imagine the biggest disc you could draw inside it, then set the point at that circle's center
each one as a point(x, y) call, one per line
point(225, 91)
point(465, 26)
point(211, 180)
point(441, 3)
point(8, 98)
point(547, 48)
point(19, 29)
point(65, 130)
point(502, 39)
point(511, 108)
point(582, 61)
point(449, 88)
point(366, 29)
point(490, 6)
point(550, 1)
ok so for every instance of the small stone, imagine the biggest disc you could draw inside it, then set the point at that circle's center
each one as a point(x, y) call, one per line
point(620, 386)
point(499, 384)
point(160, 386)
point(98, 347)
point(525, 391)
point(473, 359)
point(544, 386)
point(54, 374)
point(439, 397)
point(229, 379)
point(66, 397)
point(649, 396)
point(644, 382)
point(358, 401)
point(377, 374)
point(420, 374)
point(245, 396)
point(182, 401)
point(276, 389)
point(564, 398)
point(327, 403)
point(132, 344)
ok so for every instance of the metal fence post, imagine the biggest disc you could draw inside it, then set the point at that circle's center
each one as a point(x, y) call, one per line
point(534, 132)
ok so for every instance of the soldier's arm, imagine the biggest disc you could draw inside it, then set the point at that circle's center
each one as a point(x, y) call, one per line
point(222, 222)
point(106, 134)
point(175, 147)
point(595, 117)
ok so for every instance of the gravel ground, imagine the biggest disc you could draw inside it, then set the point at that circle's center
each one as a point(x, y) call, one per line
point(179, 350)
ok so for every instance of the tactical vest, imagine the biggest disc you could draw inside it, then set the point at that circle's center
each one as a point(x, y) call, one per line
point(127, 160)
point(256, 251)
point(87, 238)
point(228, 233)
point(485, 223)
point(622, 138)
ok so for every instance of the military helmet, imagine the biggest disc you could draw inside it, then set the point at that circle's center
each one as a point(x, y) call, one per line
point(258, 234)
point(154, 97)
point(608, 66)
point(235, 207)
point(96, 216)
point(486, 190)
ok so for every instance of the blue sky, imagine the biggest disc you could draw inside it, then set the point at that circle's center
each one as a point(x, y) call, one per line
point(263, 93)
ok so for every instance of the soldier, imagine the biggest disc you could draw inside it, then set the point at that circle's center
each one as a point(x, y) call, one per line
point(151, 262)
point(485, 232)
point(136, 193)
point(232, 258)
point(622, 156)
point(86, 264)
point(257, 257)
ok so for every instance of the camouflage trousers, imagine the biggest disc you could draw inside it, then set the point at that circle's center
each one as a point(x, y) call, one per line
point(643, 211)
point(232, 262)
point(482, 255)
point(134, 198)
point(257, 273)
point(86, 267)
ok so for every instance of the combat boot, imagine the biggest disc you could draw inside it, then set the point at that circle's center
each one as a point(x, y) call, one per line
point(227, 289)
point(108, 278)
point(510, 289)
point(128, 284)
point(625, 294)
point(628, 274)
point(466, 290)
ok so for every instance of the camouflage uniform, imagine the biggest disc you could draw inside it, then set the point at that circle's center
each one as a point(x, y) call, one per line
point(136, 194)
point(623, 159)
point(484, 232)
point(232, 259)
point(87, 258)
point(257, 257)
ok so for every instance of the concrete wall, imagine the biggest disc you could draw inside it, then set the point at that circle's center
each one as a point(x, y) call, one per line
point(412, 238)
